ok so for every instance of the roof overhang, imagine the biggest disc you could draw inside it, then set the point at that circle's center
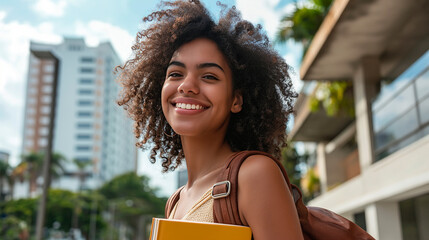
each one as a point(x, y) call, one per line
point(316, 126)
point(395, 31)
point(43, 54)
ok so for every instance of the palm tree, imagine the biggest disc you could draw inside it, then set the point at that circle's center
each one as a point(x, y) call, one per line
point(81, 165)
point(57, 166)
point(32, 165)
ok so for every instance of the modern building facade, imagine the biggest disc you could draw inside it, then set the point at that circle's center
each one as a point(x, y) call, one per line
point(88, 126)
point(373, 168)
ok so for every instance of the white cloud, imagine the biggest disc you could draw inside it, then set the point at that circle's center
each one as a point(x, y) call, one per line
point(95, 32)
point(50, 8)
point(14, 50)
point(264, 12)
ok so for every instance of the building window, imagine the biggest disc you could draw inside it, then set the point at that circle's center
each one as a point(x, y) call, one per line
point(83, 136)
point(33, 80)
point(85, 91)
point(30, 121)
point(48, 78)
point(32, 90)
point(31, 111)
point(87, 59)
point(83, 148)
point(85, 103)
point(400, 111)
point(84, 125)
point(34, 70)
point(359, 219)
point(29, 132)
point(75, 48)
point(84, 114)
point(86, 81)
point(83, 159)
point(44, 120)
point(86, 70)
point(47, 89)
point(31, 100)
point(48, 68)
point(414, 217)
point(29, 143)
point(43, 131)
point(46, 99)
point(43, 142)
point(45, 109)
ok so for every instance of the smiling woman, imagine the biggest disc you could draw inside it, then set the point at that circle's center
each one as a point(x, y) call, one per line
point(204, 91)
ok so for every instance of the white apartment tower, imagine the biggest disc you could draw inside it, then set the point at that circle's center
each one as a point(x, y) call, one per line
point(88, 125)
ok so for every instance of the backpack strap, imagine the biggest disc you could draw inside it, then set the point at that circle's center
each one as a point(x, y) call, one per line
point(171, 202)
point(224, 192)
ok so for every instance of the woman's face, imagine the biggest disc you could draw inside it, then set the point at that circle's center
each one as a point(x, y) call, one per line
point(197, 95)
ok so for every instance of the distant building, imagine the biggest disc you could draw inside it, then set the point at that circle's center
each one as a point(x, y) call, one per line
point(89, 126)
point(182, 176)
point(373, 168)
point(4, 156)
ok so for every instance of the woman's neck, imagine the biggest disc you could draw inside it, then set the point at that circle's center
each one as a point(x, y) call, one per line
point(205, 156)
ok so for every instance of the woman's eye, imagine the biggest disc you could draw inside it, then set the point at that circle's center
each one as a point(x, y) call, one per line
point(174, 75)
point(210, 77)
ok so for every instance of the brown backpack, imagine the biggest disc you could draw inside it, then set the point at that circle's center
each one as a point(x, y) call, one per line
point(316, 223)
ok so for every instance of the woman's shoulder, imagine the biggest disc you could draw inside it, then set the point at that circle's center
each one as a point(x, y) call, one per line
point(259, 165)
point(264, 200)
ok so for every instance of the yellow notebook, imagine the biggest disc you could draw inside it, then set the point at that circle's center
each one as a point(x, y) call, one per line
point(168, 229)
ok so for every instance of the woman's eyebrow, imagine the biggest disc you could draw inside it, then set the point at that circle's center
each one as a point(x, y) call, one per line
point(180, 64)
point(205, 65)
point(202, 65)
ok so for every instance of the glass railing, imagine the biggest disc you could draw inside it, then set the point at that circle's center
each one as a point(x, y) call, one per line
point(401, 111)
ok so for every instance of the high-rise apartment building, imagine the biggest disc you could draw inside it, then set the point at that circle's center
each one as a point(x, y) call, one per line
point(88, 125)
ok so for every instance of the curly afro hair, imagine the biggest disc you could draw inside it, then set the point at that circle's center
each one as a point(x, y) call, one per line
point(258, 72)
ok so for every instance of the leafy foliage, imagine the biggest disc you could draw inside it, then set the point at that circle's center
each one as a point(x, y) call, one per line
point(132, 197)
point(292, 161)
point(334, 97)
point(302, 24)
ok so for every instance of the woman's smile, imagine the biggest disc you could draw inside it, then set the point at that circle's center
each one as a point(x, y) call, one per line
point(188, 106)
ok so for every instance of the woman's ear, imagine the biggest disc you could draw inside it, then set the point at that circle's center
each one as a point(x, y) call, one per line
point(237, 103)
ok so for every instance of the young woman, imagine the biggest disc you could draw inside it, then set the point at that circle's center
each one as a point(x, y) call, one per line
point(201, 91)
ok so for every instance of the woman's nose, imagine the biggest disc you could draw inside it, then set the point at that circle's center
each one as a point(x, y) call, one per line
point(189, 85)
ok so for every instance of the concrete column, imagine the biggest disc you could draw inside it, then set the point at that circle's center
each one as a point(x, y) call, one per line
point(321, 167)
point(365, 81)
point(383, 221)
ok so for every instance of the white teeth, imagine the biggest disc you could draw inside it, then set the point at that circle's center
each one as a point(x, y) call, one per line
point(188, 106)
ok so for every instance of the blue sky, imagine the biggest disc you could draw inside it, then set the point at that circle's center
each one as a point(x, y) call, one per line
point(22, 21)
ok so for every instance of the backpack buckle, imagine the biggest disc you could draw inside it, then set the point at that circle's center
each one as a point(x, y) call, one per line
point(222, 194)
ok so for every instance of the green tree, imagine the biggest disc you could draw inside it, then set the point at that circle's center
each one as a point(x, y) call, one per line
point(57, 166)
point(334, 97)
point(302, 24)
point(293, 162)
point(16, 217)
point(130, 198)
point(32, 163)
point(32, 166)
point(81, 165)
point(5, 171)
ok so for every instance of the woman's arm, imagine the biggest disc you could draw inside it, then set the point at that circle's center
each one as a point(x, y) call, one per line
point(265, 202)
